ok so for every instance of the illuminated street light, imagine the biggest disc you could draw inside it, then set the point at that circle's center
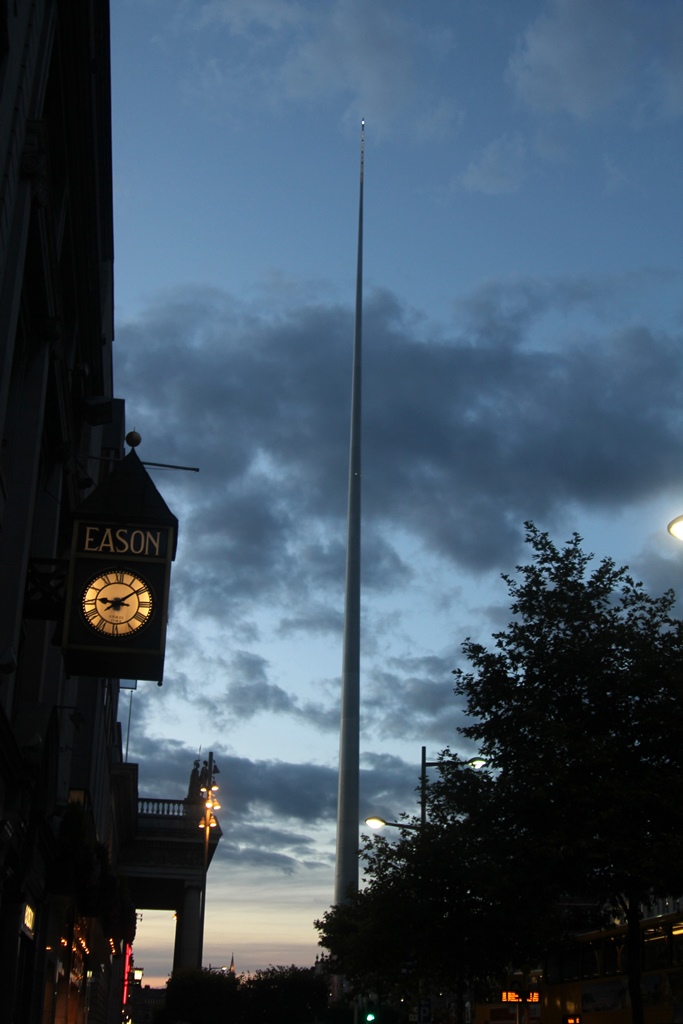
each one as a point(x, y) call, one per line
point(473, 762)
point(476, 763)
point(377, 823)
point(208, 821)
point(675, 527)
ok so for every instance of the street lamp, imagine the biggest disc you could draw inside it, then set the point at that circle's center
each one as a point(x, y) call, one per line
point(376, 822)
point(208, 790)
point(675, 527)
point(473, 762)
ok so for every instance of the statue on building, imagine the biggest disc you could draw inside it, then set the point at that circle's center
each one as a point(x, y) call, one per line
point(194, 794)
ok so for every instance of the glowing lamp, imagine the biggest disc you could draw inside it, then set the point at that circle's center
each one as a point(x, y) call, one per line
point(675, 527)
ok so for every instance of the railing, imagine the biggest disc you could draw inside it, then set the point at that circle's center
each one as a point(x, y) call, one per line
point(162, 808)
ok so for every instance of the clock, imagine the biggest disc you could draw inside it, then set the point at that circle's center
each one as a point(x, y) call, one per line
point(117, 603)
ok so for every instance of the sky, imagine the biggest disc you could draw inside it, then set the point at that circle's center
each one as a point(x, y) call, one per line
point(522, 321)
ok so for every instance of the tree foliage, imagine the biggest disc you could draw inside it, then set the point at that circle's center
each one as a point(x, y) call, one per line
point(194, 996)
point(578, 710)
point(289, 995)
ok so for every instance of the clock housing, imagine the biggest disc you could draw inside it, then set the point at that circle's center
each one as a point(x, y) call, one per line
point(123, 542)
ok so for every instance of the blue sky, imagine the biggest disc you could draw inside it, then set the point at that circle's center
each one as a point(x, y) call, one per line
point(522, 360)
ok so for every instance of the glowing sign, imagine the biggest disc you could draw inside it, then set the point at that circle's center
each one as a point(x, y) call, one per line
point(28, 924)
point(128, 959)
point(520, 997)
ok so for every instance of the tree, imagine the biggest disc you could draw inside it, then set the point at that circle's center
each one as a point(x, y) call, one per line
point(578, 711)
point(434, 912)
point(197, 995)
point(289, 995)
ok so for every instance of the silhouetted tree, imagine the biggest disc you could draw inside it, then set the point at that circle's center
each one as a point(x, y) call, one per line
point(578, 710)
point(288, 995)
point(199, 996)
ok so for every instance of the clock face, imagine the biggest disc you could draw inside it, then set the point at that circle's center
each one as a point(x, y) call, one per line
point(117, 603)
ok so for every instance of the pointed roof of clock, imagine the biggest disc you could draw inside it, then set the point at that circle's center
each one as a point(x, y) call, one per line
point(128, 495)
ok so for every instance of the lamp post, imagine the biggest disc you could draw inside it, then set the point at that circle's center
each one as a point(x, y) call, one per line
point(376, 822)
point(425, 764)
point(208, 790)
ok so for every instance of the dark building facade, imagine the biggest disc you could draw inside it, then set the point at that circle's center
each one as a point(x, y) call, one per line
point(79, 849)
point(64, 914)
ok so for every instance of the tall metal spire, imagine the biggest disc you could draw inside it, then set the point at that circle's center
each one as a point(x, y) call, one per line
point(346, 869)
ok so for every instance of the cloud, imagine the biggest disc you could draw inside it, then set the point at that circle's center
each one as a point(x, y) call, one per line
point(248, 17)
point(366, 52)
point(577, 57)
point(584, 59)
point(246, 698)
point(271, 805)
point(465, 436)
point(499, 169)
point(363, 58)
point(666, 65)
point(544, 395)
point(421, 695)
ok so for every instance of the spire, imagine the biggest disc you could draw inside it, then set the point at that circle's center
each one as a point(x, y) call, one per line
point(346, 869)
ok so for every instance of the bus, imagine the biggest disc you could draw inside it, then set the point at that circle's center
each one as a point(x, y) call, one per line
point(584, 980)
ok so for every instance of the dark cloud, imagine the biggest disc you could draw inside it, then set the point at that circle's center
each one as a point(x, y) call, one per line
point(267, 806)
point(254, 845)
point(543, 395)
point(389, 786)
point(314, 619)
point(466, 436)
point(413, 697)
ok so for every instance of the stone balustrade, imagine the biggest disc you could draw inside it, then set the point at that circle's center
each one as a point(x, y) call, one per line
point(154, 806)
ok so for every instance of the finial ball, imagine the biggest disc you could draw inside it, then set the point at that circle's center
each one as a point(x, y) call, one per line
point(133, 439)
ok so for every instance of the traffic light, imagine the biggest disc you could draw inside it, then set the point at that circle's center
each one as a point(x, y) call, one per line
point(370, 1014)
